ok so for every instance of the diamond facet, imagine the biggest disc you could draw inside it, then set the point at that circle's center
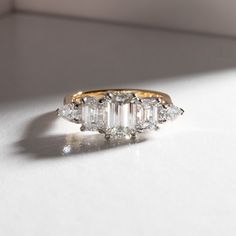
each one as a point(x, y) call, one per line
point(77, 113)
point(170, 113)
point(147, 115)
point(66, 111)
point(90, 113)
point(173, 112)
point(119, 114)
point(119, 97)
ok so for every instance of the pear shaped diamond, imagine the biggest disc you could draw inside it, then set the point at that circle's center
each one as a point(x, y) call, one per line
point(71, 112)
point(119, 114)
point(170, 113)
point(66, 111)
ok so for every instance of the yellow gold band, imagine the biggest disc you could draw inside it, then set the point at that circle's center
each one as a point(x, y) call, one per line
point(98, 94)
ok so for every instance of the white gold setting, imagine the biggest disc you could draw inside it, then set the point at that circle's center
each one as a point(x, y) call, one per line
point(119, 114)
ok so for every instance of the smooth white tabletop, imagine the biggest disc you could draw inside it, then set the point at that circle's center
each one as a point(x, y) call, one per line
point(180, 180)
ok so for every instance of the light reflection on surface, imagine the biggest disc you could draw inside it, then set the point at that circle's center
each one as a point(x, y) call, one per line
point(40, 145)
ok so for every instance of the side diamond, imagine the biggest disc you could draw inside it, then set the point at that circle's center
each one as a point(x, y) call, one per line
point(119, 114)
point(89, 114)
point(66, 111)
point(147, 114)
point(170, 113)
point(71, 112)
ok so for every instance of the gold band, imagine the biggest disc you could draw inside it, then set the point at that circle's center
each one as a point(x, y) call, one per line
point(98, 94)
point(119, 113)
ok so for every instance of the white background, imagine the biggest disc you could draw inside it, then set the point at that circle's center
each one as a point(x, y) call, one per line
point(179, 181)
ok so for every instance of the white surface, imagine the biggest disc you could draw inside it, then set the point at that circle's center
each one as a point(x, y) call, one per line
point(5, 6)
point(214, 16)
point(180, 181)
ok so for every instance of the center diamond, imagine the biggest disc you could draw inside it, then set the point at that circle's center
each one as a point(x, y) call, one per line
point(119, 114)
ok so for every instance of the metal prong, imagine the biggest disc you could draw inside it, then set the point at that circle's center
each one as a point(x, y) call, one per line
point(162, 121)
point(138, 100)
point(76, 121)
point(83, 100)
point(109, 94)
point(166, 106)
point(102, 100)
point(158, 100)
point(107, 136)
point(133, 95)
point(133, 135)
point(82, 128)
point(101, 131)
point(135, 99)
point(76, 105)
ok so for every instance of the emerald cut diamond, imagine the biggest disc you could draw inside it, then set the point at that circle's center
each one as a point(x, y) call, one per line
point(119, 114)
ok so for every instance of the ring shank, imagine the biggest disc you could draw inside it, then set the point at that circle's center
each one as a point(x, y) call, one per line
point(98, 94)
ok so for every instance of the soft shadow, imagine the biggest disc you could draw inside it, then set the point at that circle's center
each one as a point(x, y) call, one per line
point(39, 145)
point(58, 55)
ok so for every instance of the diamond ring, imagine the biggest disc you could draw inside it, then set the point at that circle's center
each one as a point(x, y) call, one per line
point(119, 113)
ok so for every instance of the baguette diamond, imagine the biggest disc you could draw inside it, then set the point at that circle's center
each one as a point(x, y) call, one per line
point(119, 114)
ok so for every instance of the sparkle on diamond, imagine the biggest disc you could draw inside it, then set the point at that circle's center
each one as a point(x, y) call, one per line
point(119, 114)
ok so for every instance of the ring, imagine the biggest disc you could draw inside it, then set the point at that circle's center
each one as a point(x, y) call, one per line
point(119, 113)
